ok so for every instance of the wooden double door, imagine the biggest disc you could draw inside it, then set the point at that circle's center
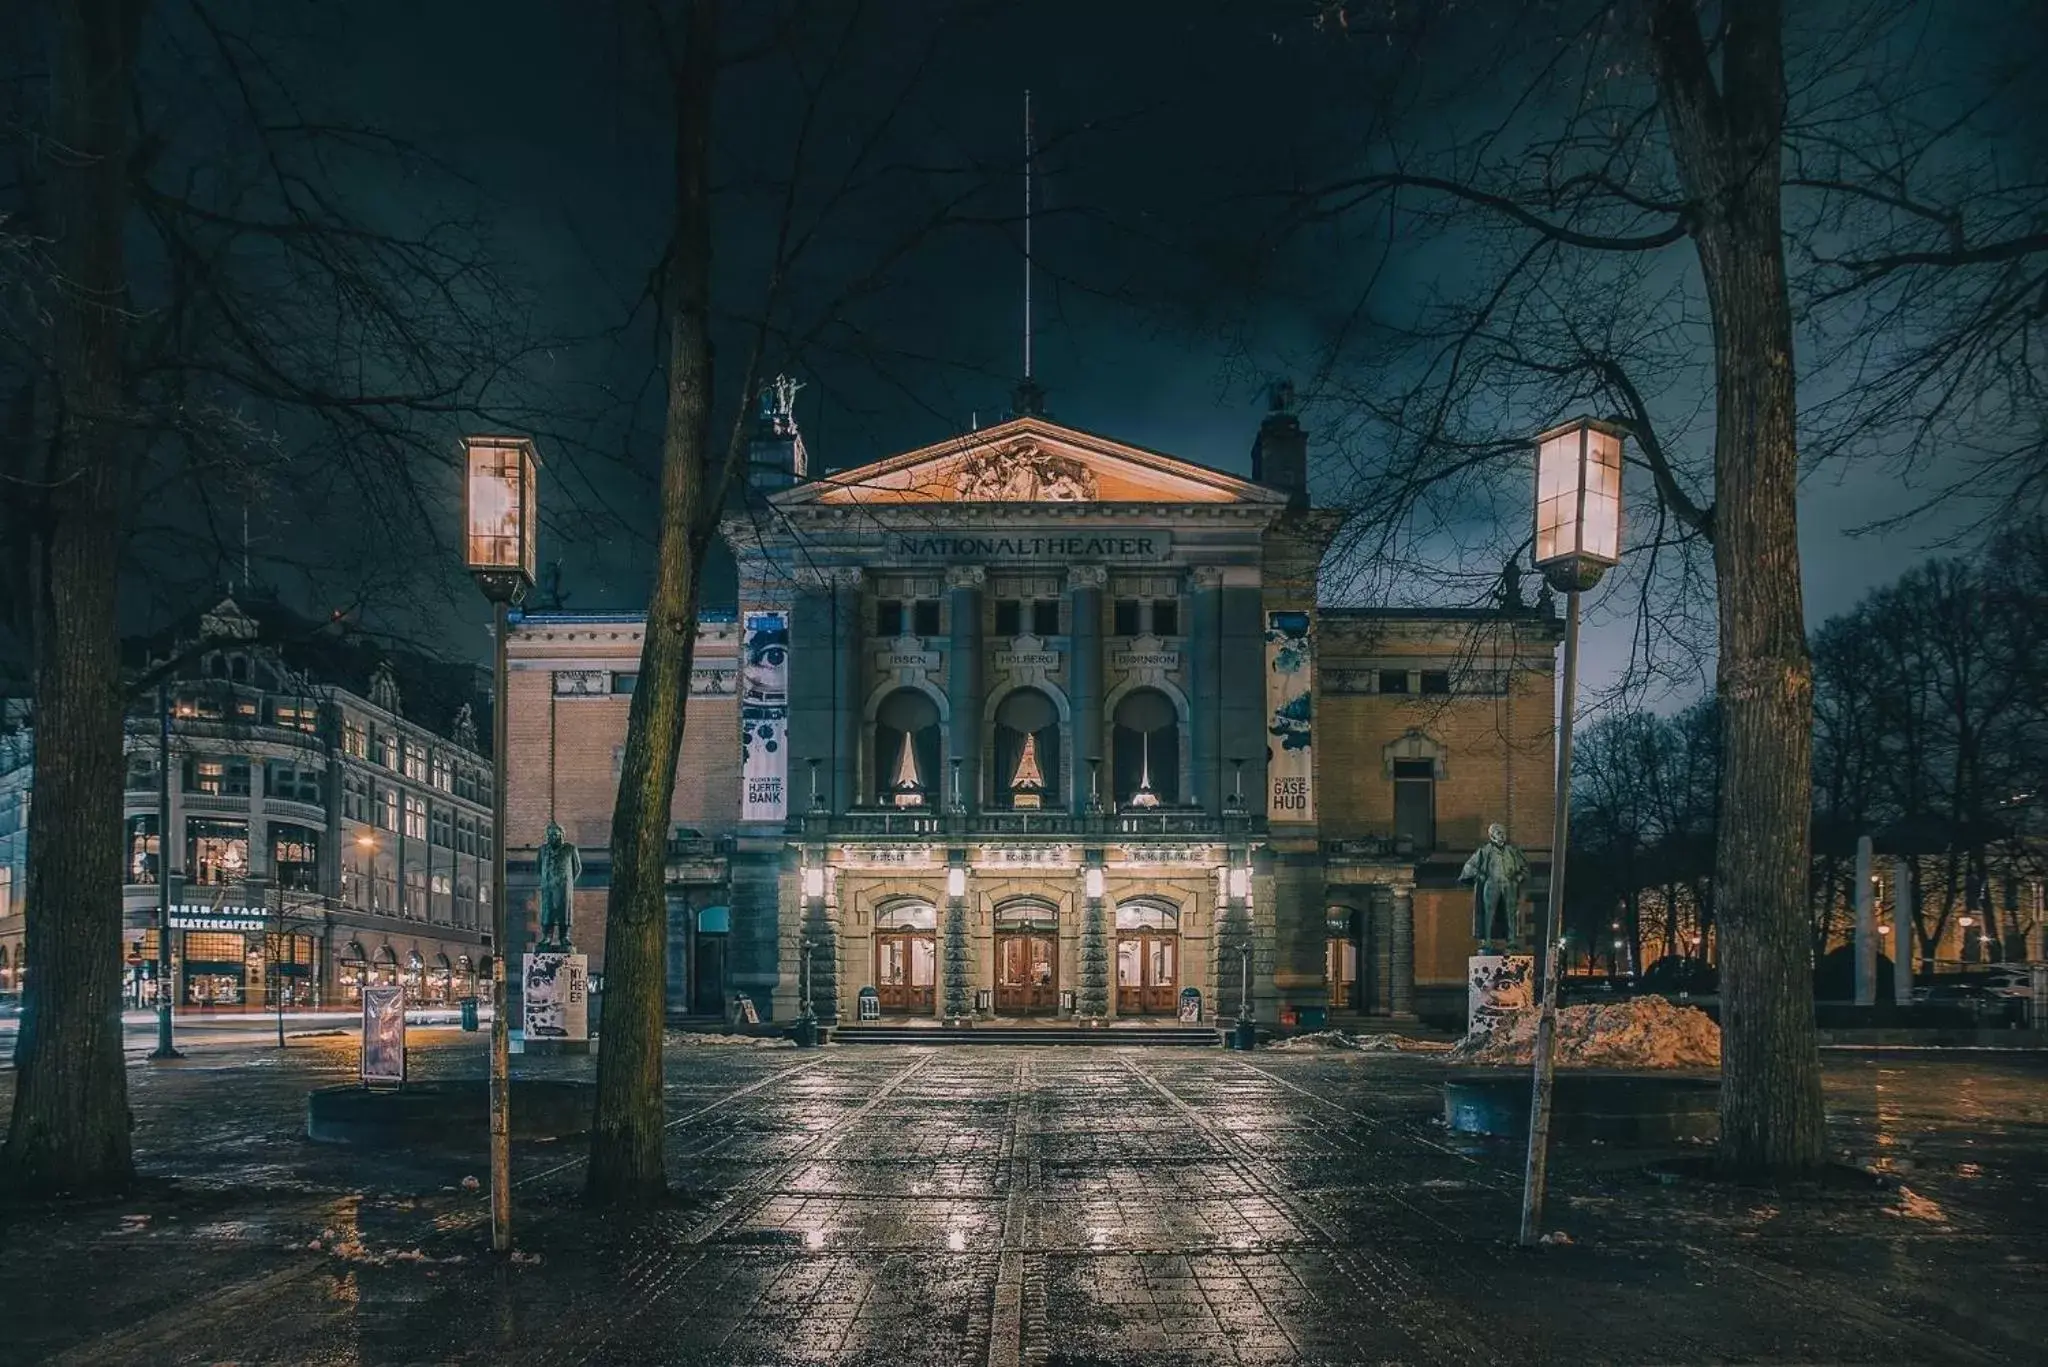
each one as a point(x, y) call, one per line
point(1148, 973)
point(1027, 973)
point(906, 971)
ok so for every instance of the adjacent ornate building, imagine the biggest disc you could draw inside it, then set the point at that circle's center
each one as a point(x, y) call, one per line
point(1037, 723)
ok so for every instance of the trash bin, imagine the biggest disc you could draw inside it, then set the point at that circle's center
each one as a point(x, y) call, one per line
point(469, 1013)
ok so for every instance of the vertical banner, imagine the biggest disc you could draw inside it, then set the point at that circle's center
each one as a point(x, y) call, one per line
point(556, 997)
point(764, 718)
point(1290, 769)
point(383, 1059)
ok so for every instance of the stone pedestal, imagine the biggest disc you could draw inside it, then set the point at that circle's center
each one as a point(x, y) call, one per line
point(556, 1002)
point(1497, 986)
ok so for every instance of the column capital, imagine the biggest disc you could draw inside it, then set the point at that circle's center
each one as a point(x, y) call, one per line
point(1206, 576)
point(966, 576)
point(849, 576)
point(1087, 577)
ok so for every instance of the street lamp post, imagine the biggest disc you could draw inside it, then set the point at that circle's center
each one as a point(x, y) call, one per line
point(165, 1049)
point(1578, 539)
point(501, 525)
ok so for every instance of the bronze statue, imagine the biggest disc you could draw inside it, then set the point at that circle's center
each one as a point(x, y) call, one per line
point(1496, 871)
point(559, 865)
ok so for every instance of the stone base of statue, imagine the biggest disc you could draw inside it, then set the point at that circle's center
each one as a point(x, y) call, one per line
point(556, 1002)
point(1497, 986)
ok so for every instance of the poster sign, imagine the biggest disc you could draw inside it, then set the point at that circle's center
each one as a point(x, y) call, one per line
point(383, 1062)
point(764, 718)
point(556, 998)
point(1191, 1006)
point(1290, 766)
point(748, 1014)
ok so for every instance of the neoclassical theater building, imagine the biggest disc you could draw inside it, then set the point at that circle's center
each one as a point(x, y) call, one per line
point(1036, 723)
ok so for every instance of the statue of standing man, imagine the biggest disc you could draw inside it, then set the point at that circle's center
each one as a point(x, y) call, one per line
point(1497, 871)
point(559, 865)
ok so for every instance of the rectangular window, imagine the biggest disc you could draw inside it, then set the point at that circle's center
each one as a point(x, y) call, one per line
point(415, 892)
point(1435, 681)
point(216, 852)
point(291, 783)
point(295, 715)
point(296, 853)
point(415, 760)
point(1045, 617)
point(1415, 801)
point(387, 808)
point(443, 826)
point(1393, 681)
point(465, 835)
point(1009, 617)
point(387, 750)
point(415, 817)
point(142, 850)
point(1166, 616)
point(1125, 617)
point(141, 772)
point(889, 618)
point(444, 772)
point(624, 684)
point(246, 709)
point(355, 740)
point(925, 617)
point(217, 777)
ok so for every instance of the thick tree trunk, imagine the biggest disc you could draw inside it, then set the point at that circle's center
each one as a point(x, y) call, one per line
point(69, 1131)
point(626, 1132)
point(1727, 141)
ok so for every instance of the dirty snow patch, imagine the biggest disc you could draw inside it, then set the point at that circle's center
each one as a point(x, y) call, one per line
point(1643, 1032)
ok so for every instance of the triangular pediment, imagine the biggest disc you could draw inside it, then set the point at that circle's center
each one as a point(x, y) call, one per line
point(1030, 460)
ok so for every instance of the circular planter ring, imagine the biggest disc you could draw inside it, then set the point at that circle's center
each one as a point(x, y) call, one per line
point(453, 1114)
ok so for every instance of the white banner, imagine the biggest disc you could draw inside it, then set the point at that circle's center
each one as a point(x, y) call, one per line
point(1290, 764)
point(764, 718)
point(557, 997)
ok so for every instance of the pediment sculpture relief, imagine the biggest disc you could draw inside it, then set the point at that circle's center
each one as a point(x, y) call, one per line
point(1023, 472)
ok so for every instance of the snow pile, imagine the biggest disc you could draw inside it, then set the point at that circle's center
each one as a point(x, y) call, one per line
point(1642, 1032)
point(694, 1037)
point(1325, 1040)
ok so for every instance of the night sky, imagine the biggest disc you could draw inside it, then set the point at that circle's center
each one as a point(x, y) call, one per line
point(1167, 130)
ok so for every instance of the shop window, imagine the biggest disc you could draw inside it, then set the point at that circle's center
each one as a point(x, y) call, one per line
point(1393, 681)
point(1009, 617)
point(216, 852)
point(1045, 617)
point(924, 617)
point(889, 618)
point(1415, 801)
point(1124, 617)
point(1436, 681)
point(143, 850)
point(415, 818)
point(1166, 617)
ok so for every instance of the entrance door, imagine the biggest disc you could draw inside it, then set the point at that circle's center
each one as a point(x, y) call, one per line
point(906, 970)
point(1340, 971)
point(1027, 973)
point(1148, 973)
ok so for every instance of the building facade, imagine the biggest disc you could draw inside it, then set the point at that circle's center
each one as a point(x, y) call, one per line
point(319, 837)
point(1038, 723)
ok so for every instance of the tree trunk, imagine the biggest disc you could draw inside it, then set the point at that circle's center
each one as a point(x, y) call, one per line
point(1728, 144)
point(70, 1124)
point(626, 1131)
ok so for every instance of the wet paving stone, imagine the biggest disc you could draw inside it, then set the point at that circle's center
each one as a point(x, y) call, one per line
point(1040, 1207)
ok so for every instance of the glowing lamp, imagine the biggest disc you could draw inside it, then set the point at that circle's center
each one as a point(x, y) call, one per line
point(1240, 882)
point(956, 882)
point(1578, 503)
point(501, 518)
point(1091, 881)
point(814, 882)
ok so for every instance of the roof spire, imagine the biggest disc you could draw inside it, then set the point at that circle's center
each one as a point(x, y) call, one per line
point(1029, 397)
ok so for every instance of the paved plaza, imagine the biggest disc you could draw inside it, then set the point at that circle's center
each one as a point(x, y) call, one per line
point(906, 1205)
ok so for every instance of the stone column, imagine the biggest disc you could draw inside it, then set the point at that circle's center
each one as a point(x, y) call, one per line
point(847, 692)
point(964, 692)
point(1084, 678)
point(1903, 945)
point(1205, 691)
point(1091, 1002)
point(1403, 990)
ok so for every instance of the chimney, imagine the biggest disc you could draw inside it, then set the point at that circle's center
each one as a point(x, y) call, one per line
point(776, 458)
point(1280, 453)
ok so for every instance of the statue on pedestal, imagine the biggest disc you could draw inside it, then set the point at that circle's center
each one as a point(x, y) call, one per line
point(1497, 871)
point(559, 865)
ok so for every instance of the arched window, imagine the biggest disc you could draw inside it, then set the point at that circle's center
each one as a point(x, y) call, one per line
point(1414, 762)
point(1147, 915)
point(907, 916)
point(1146, 769)
point(906, 750)
point(1027, 914)
point(1027, 744)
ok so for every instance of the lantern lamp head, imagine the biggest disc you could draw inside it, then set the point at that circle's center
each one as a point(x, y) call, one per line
point(956, 881)
point(814, 881)
point(1578, 503)
point(501, 517)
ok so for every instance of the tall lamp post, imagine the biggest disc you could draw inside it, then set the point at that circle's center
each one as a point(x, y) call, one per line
point(1578, 539)
point(165, 1049)
point(501, 524)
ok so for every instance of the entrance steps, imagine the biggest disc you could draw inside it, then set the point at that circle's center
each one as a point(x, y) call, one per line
point(991, 1033)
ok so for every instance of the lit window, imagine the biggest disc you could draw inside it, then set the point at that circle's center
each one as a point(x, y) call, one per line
point(387, 808)
point(415, 818)
point(355, 740)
